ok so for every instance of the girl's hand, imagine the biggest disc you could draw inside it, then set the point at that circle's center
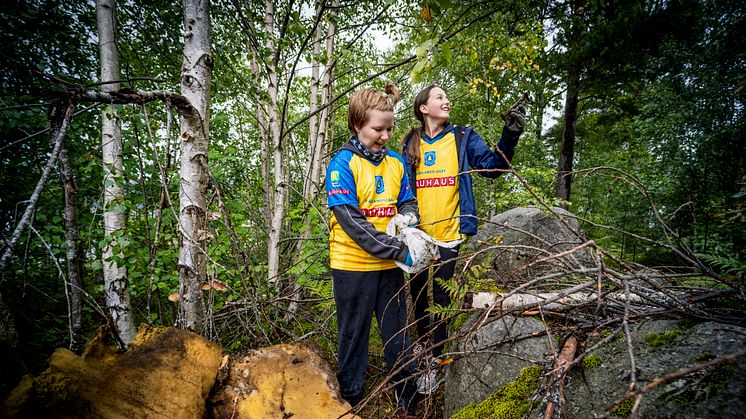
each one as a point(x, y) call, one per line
point(516, 119)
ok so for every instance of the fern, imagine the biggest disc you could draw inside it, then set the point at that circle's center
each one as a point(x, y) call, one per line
point(725, 265)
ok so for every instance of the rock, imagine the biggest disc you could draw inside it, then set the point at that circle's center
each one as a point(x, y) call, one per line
point(538, 235)
point(288, 380)
point(662, 347)
point(165, 373)
point(476, 376)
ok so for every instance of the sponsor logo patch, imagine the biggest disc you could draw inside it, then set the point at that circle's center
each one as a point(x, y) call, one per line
point(380, 187)
point(339, 191)
point(436, 182)
point(334, 178)
point(429, 158)
point(379, 212)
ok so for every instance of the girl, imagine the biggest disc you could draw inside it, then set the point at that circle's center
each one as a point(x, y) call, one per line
point(436, 154)
point(367, 185)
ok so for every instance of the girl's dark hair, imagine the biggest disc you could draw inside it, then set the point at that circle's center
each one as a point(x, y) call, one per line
point(412, 138)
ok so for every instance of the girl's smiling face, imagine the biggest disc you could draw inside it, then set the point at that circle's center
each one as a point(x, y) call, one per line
point(376, 130)
point(438, 107)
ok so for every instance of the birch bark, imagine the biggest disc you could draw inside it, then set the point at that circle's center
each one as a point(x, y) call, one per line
point(326, 94)
point(115, 274)
point(70, 217)
point(196, 75)
point(278, 204)
point(309, 187)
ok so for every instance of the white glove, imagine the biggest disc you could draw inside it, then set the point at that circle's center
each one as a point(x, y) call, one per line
point(410, 219)
point(423, 249)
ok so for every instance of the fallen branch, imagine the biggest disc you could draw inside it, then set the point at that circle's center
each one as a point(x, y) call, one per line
point(556, 384)
point(58, 139)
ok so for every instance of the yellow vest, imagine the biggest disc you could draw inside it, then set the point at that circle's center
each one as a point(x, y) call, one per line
point(377, 188)
point(437, 188)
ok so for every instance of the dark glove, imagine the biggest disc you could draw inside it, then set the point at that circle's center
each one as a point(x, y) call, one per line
point(516, 119)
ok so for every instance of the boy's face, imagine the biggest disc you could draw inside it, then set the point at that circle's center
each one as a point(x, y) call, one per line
point(376, 130)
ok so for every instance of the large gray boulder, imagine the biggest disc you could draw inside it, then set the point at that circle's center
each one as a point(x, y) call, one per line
point(662, 347)
point(495, 353)
point(528, 234)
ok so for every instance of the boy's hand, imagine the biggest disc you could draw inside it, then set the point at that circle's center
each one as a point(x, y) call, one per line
point(410, 219)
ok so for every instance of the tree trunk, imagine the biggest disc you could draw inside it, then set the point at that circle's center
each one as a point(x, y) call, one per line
point(261, 117)
point(196, 74)
point(326, 95)
point(72, 239)
point(567, 150)
point(115, 276)
point(318, 129)
point(278, 204)
point(312, 157)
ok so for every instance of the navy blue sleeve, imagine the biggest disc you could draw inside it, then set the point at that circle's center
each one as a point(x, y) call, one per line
point(481, 157)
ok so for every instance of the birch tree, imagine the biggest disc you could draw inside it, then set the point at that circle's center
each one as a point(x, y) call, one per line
point(313, 107)
point(115, 273)
point(73, 285)
point(277, 205)
point(196, 75)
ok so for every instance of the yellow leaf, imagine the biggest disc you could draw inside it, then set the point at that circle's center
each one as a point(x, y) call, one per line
point(426, 13)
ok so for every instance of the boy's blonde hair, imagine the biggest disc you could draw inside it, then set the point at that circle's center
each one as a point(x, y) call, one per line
point(365, 99)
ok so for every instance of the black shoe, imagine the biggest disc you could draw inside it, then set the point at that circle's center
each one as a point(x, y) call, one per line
point(406, 407)
point(354, 399)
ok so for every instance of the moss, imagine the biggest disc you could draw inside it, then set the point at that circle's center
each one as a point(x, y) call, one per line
point(687, 323)
point(603, 334)
point(624, 409)
point(486, 285)
point(457, 323)
point(591, 361)
point(655, 340)
point(718, 379)
point(508, 401)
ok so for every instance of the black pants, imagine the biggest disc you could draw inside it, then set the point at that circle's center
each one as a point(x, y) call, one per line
point(358, 295)
point(428, 327)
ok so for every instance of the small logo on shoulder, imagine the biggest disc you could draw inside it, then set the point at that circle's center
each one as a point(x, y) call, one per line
point(335, 179)
point(380, 187)
point(429, 158)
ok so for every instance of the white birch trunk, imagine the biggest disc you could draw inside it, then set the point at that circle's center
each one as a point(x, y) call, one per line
point(115, 276)
point(554, 301)
point(196, 74)
point(312, 151)
point(278, 207)
point(261, 117)
point(326, 93)
point(316, 137)
point(72, 238)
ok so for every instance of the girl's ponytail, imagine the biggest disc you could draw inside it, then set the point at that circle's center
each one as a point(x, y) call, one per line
point(412, 142)
point(393, 91)
point(412, 139)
